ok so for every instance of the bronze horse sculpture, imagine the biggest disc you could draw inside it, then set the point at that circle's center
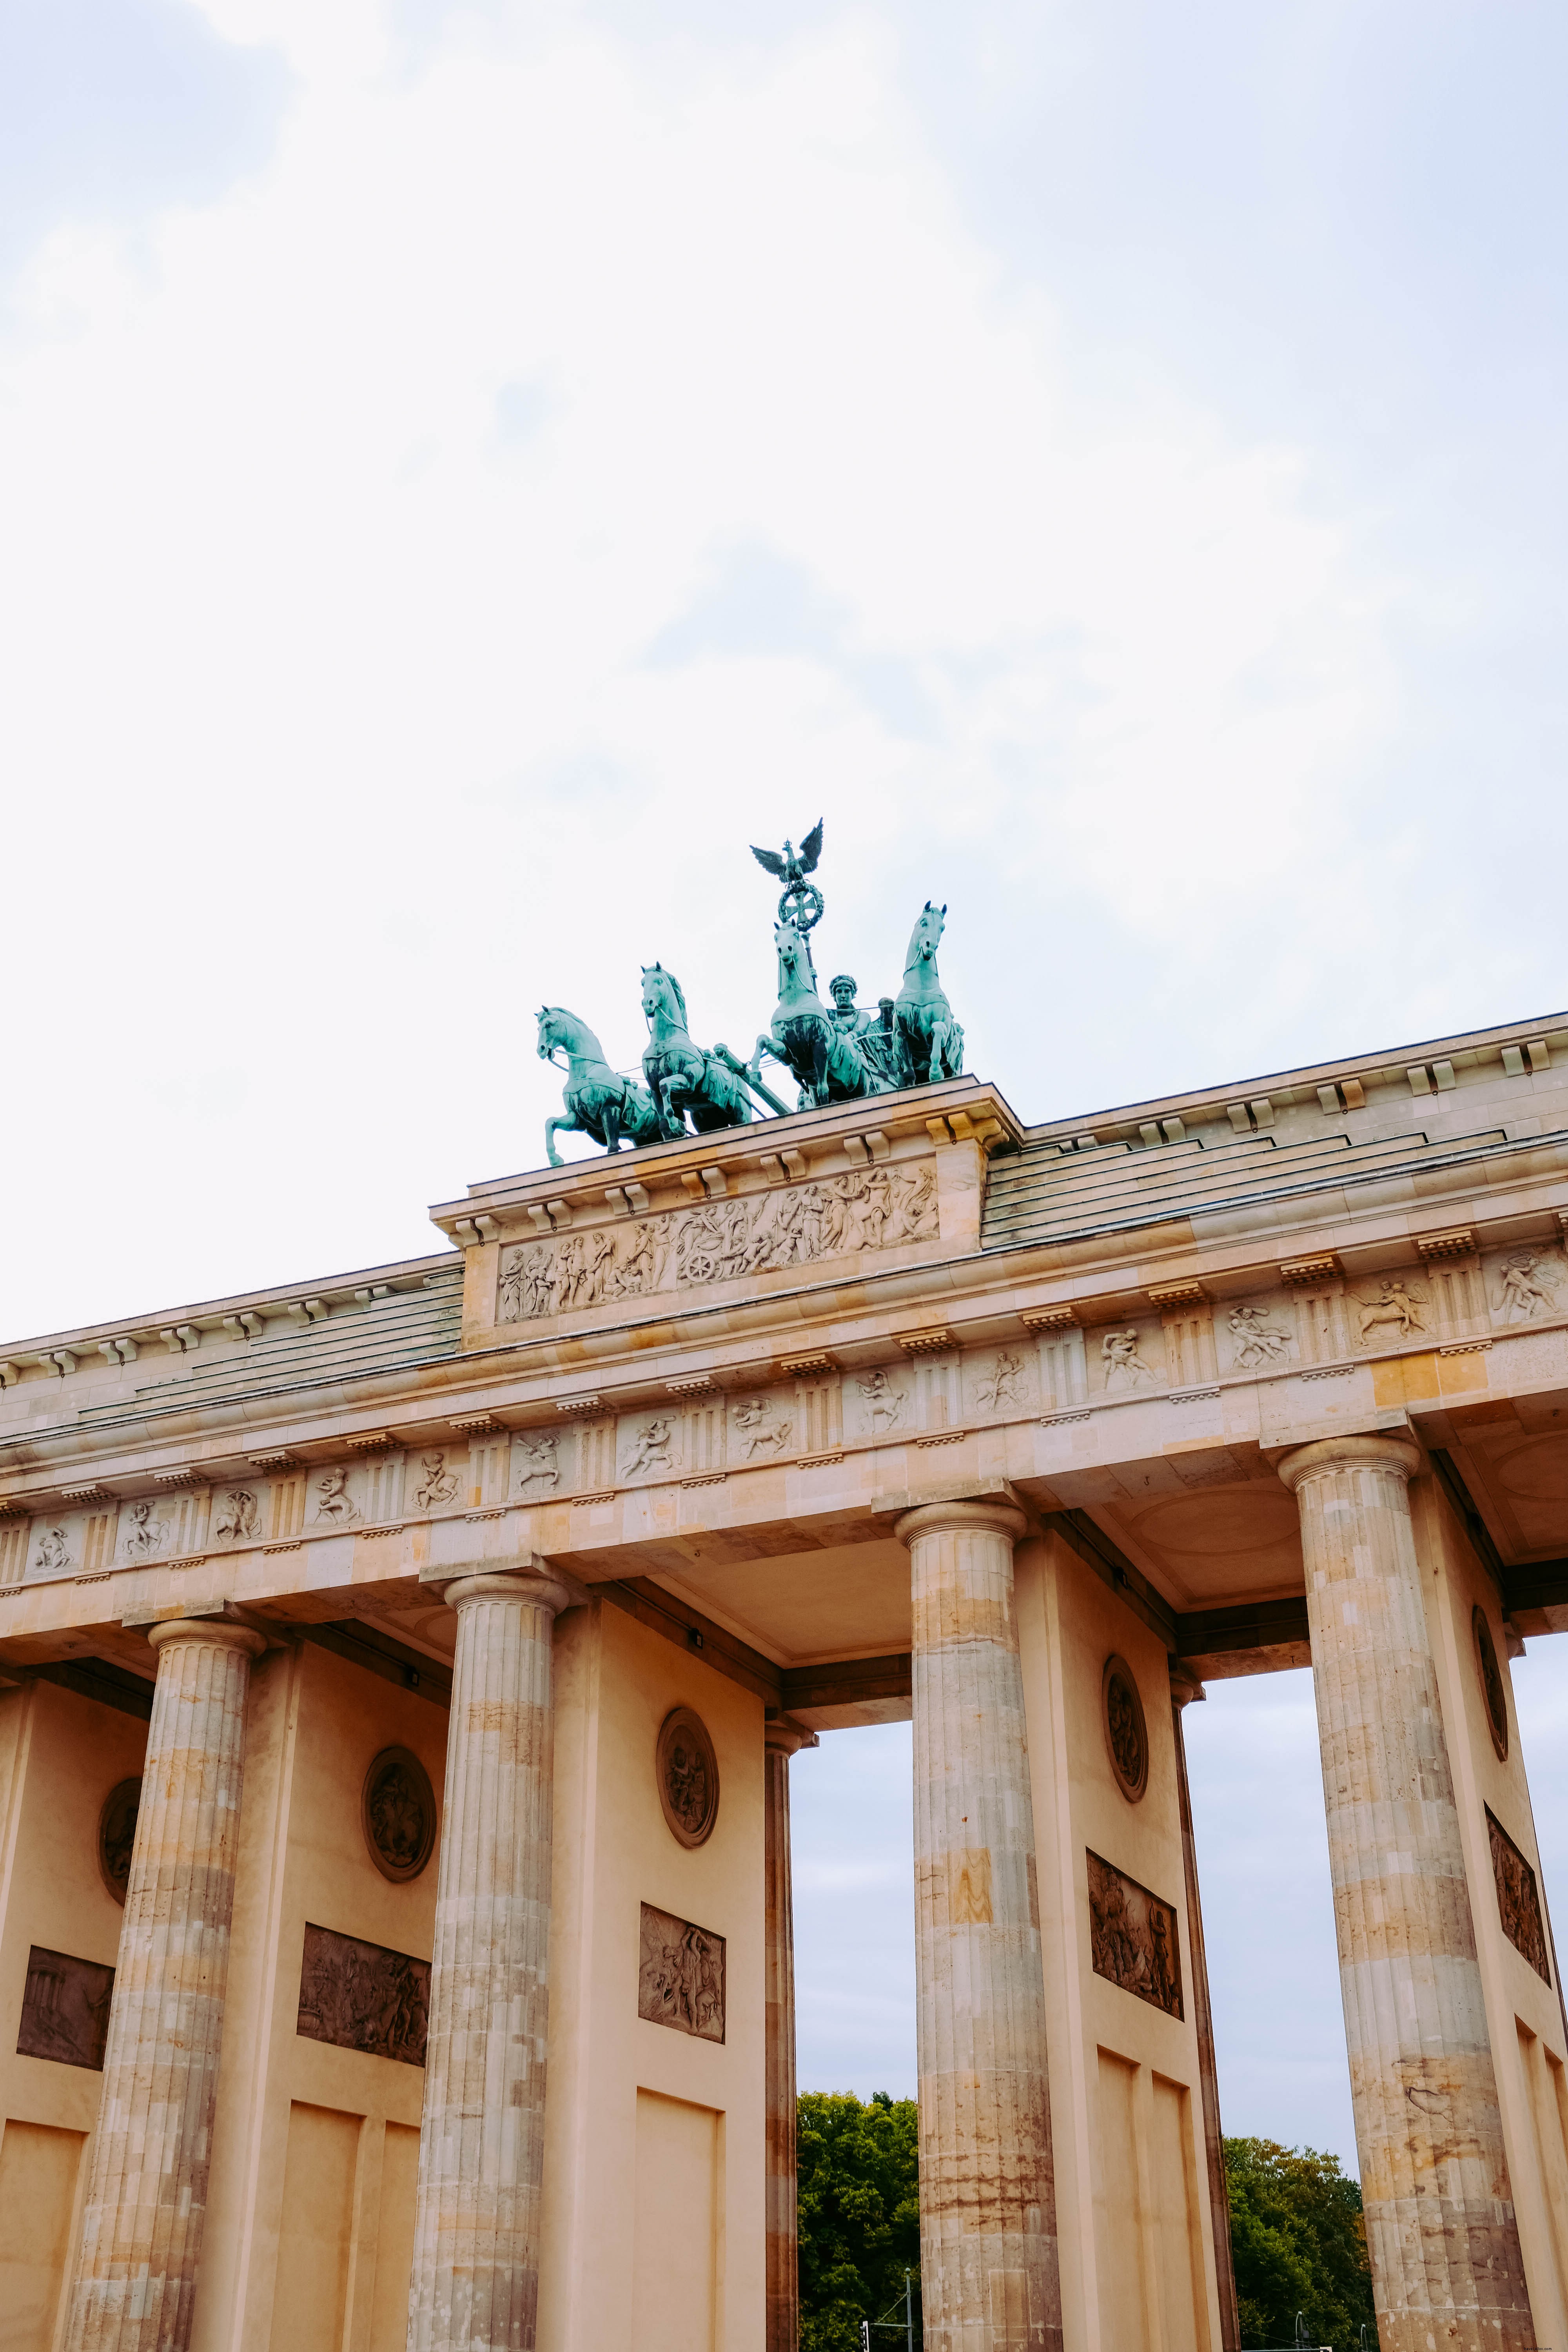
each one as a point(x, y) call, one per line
point(598, 1101)
point(684, 1079)
point(929, 1041)
point(822, 1056)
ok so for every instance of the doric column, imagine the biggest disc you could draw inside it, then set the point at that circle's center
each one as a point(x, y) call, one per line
point(146, 2196)
point(1440, 2229)
point(1184, 1688)
point(782, 1738)
point(989, 2274)
point(481, 2142)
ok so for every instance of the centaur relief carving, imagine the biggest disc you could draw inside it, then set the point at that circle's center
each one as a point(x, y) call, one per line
point(876, 1208)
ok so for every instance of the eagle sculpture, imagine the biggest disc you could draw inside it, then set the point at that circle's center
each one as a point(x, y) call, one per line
point(794, 866)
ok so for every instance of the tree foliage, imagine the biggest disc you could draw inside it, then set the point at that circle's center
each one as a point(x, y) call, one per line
point(859, 2215)
point(1300, 2245)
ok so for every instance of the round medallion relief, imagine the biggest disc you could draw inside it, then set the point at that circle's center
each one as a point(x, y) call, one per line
point(1126, 1733)
point(688, 1773)
point(116, 1836)
point(399, 1813)
point(1492, 1689)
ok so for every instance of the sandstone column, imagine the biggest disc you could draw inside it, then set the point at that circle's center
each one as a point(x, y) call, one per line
point(475, 2285)
point(1184, 1688)
point(1446, 2262)
point(781, 1739)
point(146, 2196)
point(989, 2272)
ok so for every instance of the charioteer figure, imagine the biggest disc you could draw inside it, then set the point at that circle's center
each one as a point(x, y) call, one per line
point(871, 1033)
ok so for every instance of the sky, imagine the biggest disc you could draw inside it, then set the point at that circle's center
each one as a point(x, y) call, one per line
point(469, 471)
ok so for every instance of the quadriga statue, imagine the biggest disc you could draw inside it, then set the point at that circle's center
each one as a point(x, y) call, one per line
point(598, 1101)
point(929, 1041)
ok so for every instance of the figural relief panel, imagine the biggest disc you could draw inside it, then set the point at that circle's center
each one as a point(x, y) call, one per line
point(360, 1996)
point(1128, 1362)
point(1526, 1287)
point(1133, 1937)
point(837, 1216)
point(681, 1974)
point(1517, 1900)
point(65, 2008)
point(1258, 1337)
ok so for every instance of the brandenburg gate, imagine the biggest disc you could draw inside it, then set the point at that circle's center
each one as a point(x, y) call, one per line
point(402, 1670)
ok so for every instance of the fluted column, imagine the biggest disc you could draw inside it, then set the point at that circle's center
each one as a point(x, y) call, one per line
point(475, 2286)
point(146, 2196)
point(782, 1738)
point(1184, 1688)
point(989, 2275)
point(1446, 2263)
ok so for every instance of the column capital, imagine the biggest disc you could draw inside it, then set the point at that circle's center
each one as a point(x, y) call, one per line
point(219, 1633)
point(1371, 1451)
point(533, 1581)
point(783, 1736)
point(966, 1514)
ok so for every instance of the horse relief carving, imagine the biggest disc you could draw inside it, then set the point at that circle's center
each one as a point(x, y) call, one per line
point(537, 1461)
point(875, 1208)
point(758, 1431)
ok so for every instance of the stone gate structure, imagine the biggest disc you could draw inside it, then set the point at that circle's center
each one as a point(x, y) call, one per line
point(401, 1673)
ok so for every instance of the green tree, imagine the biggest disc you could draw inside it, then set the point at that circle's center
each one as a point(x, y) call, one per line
point(859, 2215)
point(1299, 2245)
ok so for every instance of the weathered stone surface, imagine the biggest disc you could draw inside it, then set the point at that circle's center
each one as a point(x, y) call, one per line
point(783, 1739)
point(482, 2143)
point(988, 2228)
point(1446, 2262)
point(146, 2196)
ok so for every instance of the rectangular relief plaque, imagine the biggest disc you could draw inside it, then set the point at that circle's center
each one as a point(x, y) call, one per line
point(1517, 1902)
point(681, 1976)
point(1134, 1936)
point(360, 1996)
point(65, 2009)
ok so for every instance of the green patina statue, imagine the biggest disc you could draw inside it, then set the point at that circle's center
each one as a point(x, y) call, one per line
point(931, 1043)
point(822, 1053)
point(598, 1101)
point(685, 1080)
point(836, 1053)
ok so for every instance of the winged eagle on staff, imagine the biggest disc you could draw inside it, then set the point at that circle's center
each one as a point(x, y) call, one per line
point(802, 901)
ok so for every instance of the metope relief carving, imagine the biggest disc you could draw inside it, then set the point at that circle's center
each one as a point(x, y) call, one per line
point(360, 1996)
point(1529, 1285)
point(334, 1505)
point(438, 1486)
point(882, 1404)
point(1394, 1313)
point(1517, 1900)
point(1001, 1390)
point(681, 1974)
point(759, 1430)
point(875, 1208)
point(238, 1516)
point(536, 1463)
point(398, 1811)
point(1255, 1341)
point(687, 1773)
point(652, 1445)
point(1133, 1937)
point(53, 1556)
point(65, 2008)
point(1122, 1363)
point(145, 1534)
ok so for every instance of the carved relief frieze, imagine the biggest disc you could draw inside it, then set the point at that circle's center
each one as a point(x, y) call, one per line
point(801, 1224)
point(760, 1430)
point(1133, 1937)
point(650, 1445)
point(1527, 1286)
point(681, 1974)
point(437, 1486)
point(360, 1996)
point(881, 1403)
point(1399, 1310)
point(65, 2008)
point(333, 1504)
point(1258, 1337)
point(1517, 1899)
point(536, 1463)
point(1124, 1367)
point(236, 1518)
point(1002, 1385)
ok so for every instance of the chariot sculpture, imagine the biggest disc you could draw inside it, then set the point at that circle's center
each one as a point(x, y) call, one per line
point(835, 1052)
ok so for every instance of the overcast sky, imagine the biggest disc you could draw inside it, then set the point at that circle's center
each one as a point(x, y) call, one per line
point(468, 471)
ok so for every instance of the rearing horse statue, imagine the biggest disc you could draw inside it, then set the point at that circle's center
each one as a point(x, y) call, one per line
point(683, 1077)
point(598, 1102)
point(929, 1041)
point(806, 1038)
